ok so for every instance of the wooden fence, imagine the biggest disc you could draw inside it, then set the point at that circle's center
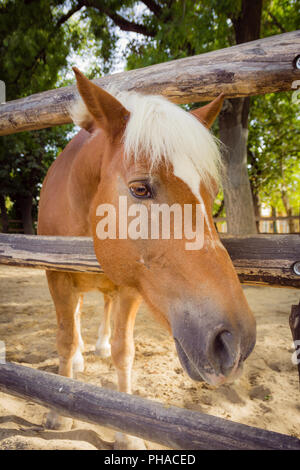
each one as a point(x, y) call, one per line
point(253, 68)
point(170, 426)
point(267, 65)
point(261, 259)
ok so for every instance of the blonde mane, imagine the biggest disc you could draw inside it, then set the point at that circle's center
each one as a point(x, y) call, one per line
point(165, 133)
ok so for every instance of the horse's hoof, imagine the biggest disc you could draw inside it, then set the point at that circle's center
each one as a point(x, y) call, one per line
point(125, 442)
point(56, 422)
point(103, 351)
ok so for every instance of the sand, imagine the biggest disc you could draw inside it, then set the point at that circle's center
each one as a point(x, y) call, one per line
point(266, 396)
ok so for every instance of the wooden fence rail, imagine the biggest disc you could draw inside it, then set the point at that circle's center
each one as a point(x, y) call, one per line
point(170, 426)
point(260, 259)
point(253, 68)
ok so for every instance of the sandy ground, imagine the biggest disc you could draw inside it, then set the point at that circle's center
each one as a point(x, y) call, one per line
point(266, 396)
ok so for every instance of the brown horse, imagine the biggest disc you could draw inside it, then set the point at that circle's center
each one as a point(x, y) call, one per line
point(146, 151)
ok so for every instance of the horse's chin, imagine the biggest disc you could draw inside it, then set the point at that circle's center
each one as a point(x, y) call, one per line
point(202, 376)
point(187, 364)
point(218, 380)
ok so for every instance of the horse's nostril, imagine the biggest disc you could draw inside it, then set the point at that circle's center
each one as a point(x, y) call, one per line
point(224, 351)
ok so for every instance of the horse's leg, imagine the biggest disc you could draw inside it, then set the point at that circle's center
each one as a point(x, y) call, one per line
point(67, 302)
point(103, 348)
point(124, 309)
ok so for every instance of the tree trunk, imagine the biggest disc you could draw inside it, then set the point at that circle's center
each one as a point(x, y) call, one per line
point(256, 205)
point(25, 206)
point(255, 188)
point(4, 216)
point(237, 192)
point(234, 134)
point(288, 210)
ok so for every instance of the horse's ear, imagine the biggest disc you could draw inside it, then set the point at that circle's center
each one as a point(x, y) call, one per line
point(107, 111)
point(208, 113)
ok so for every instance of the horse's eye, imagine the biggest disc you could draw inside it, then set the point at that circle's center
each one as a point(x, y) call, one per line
point(141, 189)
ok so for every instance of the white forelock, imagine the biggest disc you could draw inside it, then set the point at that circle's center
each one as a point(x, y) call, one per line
point(165, 133)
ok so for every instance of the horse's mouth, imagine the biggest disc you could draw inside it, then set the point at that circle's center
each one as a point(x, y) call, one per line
point(209, 376)
point(187, 364)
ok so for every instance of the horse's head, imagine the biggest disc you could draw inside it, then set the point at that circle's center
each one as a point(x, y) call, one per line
point(155, 158)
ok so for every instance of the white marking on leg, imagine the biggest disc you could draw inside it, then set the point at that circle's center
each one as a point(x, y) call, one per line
point(78, 360)
point(78, 324)
point(103, 348)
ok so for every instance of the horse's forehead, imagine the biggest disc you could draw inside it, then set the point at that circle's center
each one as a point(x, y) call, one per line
point(164, 175)
point(177, 178)
point(130, 165)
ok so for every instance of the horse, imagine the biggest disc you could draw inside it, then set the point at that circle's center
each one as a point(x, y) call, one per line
point(145, 150)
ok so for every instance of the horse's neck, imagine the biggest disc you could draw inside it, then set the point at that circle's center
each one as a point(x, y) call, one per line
point(69, 189)
point(82, 184)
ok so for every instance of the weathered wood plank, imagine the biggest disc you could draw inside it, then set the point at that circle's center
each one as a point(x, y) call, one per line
point(265, 259)
point(261, 259)
point(54, 253)
point(173, 427)
point(257, 67)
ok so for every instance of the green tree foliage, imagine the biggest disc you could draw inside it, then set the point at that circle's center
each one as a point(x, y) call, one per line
point(24, 162)
point(34, 47)
point(273, 145)
point(273, 150)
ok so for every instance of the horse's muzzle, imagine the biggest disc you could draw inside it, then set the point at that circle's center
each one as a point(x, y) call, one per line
point(216, 357)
